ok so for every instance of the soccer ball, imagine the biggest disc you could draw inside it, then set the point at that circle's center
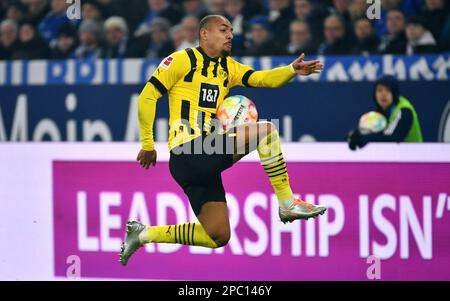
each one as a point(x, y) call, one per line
point(372, 122)
point(236, 110)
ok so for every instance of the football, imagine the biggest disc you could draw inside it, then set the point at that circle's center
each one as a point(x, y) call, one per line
point(236, 110)
point(372, 122)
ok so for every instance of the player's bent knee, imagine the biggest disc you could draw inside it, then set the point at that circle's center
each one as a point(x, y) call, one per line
point(222, 241)
point(221, 238)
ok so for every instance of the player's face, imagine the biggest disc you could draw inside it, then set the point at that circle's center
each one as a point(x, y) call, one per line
point(220, 36)
point(383, 96)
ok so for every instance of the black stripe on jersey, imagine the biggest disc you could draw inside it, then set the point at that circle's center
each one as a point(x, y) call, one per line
point(158, 85)
point(193, 59)
point(215, 69)
point(246, 77)
point(206, 62)
point(185, 112)
point(201, 120)
point(223, 63)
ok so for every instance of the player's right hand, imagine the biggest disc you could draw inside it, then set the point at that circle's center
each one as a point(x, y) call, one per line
point(146, 158)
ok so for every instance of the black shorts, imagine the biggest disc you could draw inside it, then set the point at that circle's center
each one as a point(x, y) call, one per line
point(199, 174)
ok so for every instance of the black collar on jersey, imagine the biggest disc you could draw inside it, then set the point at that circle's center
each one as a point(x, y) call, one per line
point(206, 57)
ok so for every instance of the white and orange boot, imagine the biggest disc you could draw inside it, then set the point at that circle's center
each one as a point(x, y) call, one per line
point(299, 209)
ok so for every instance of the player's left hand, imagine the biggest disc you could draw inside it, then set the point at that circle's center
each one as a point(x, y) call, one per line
point(146, 158)
point(306, 68)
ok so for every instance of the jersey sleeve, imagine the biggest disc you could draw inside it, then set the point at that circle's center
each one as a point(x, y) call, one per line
point(169, 71)
point(243, 75)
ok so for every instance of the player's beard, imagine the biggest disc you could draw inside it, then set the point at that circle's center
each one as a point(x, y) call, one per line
point(226, 53)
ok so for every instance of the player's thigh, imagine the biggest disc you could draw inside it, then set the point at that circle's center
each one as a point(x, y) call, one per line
point(248, 137)
point(214, 219)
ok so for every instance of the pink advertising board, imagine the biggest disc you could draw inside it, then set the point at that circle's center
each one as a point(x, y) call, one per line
point(398, 212)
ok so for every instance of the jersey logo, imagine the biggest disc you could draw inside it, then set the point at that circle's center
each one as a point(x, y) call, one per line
point(166, 63)
point(223, 74)
point(209, 94)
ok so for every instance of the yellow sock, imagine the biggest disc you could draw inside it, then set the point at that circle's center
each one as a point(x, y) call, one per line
point(187, 234)
point(269, 149)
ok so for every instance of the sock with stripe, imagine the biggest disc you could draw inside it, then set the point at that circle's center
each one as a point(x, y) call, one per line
point(271, 156)
point(187, 234)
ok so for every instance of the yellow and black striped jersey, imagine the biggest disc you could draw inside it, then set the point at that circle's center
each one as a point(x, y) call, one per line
point(197, 84)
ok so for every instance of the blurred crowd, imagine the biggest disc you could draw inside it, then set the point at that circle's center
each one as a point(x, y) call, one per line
point(40, 29)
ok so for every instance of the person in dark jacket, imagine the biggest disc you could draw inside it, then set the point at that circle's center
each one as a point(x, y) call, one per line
point(402, 119)
point(300, 40)
point(9, 39)
point(31, 45)
point(261, 41)
point(337, 41)
point(394, 41)
point(436, 15)
point(366, 39)
point(280, 15)
point(420, 39)
point(66, 42)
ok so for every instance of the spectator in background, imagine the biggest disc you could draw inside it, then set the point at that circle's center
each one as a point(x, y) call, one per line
point(437, 18)
point(190, 28)
point(280, 15)
point(160, 44)
point(66, 42)
point(261, 42)
point(408, 7)
point(394, 41)
point(336, 41)
point(216, 7)
point(366, 39)
point(48, 27)
point(117, 44)
point(90, 36)
point(31, 46)
point(314, 15)
point(342, 8)
point(91, 10)
point(234, 14)
point(17, 11)
point(420, 40)
point(159, 9)
point(381, 24)
point(177, 36)
point(194, 8)
point(8, 39)
point(300, 40)
point(358, 9)
point(37, 10)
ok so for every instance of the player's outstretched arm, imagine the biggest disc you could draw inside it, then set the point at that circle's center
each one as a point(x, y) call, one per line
point(280, 76)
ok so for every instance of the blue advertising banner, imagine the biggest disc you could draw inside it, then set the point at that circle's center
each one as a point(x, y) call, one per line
point(137, 71)
point(321, 111)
